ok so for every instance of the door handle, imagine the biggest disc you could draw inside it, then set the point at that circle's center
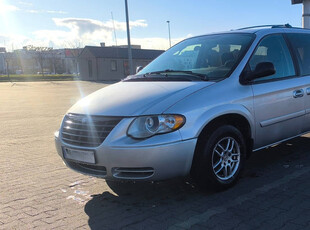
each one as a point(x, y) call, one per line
point(298, 93)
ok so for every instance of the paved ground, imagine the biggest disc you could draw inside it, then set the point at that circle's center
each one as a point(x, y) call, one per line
point(37, 190)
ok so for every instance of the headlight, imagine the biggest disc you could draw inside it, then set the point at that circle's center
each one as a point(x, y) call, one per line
point(147, 126)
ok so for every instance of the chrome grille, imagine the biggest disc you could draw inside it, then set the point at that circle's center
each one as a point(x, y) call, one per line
point(87, 131)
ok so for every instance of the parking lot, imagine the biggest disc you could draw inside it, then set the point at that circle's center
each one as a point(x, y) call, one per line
point(37, 190)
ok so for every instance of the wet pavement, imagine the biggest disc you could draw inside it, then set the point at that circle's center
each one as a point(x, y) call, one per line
point(38, 191)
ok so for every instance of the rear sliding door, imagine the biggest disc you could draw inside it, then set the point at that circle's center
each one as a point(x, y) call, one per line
point(301, 46)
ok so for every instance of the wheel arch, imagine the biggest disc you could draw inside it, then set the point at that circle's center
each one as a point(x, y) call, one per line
point(242, 121)
point(228, 113)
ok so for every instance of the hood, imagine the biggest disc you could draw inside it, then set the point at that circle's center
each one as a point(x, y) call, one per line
point(136, 98)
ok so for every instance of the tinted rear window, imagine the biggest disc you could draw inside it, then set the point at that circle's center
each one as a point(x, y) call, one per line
point(301, 45)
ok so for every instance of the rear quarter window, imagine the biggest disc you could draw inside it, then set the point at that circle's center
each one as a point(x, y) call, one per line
point(301, 46)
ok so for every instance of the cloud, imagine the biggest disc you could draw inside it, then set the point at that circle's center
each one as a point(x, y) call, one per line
point(13, 40)
point(79, 32)
point(81, 26)
point(151, 42)
point(46, 11)
point(63, 39)
point(33, 11)
point(4, 8)
point(25, 3)
point(84, 30)
point(56, 12)
point(122, 25)
point(88, 26)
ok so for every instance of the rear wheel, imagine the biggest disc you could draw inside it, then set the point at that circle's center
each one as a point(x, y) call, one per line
point(220, 158)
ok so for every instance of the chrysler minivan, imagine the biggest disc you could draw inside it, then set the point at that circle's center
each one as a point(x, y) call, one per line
point(198, 109)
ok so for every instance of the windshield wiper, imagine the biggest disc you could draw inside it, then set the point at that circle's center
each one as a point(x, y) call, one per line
point(201, 76)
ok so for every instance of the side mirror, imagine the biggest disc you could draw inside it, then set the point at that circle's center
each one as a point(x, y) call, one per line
point(139, 68)
point(262, 69)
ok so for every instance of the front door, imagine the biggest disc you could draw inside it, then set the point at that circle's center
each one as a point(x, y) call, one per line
point(278, 99)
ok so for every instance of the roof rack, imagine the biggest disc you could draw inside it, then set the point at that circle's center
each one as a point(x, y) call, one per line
point(271, 26)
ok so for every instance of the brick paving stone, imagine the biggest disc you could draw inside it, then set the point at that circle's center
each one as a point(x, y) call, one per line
point(249, 212)
point(244, 226)
point(185, 214)
point(270, 213)
point(267, 226)
point(221, 219)
point(38, 191)
point(303, 219)
point(279, 221)
point(198, 227)
point(145, 224)
point(290, 226)
point(165, 224)
point(221, 226)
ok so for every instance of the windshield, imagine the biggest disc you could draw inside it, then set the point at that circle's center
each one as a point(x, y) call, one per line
point(214, 56)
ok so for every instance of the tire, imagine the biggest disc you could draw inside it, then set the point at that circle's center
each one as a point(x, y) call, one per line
point(220, 158)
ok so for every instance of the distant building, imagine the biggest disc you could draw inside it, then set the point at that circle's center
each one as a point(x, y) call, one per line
point(102, 44)
point(2, 60)
point(35, 60)
point(32, 60)
point(111, 63)
point(305, 12)
point(91, 63)
point(70, 60)
point(132, 46)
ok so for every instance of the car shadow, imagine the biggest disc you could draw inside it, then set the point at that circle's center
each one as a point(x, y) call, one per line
point(158, 205)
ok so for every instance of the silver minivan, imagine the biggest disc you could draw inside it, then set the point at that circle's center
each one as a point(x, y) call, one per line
point(200, 108)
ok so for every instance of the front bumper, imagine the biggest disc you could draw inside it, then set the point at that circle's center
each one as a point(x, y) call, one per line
point(120, 157)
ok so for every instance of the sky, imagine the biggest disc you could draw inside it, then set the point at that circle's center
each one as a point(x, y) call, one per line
point(77, 23)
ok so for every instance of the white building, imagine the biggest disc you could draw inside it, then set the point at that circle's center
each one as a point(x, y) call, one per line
point(305, 12)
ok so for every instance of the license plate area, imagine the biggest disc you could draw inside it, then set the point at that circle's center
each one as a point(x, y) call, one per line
point(86, 156)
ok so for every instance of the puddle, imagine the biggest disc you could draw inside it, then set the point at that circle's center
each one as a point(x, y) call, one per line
point(77, 199)
point(81, 192)
point(76, 193)
point(299, 166)
point(75, 183)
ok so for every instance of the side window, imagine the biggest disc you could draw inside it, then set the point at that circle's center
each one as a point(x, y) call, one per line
point(301, 45)
point(273, 49)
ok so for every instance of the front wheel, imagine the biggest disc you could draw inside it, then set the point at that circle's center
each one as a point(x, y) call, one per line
point(220, 158)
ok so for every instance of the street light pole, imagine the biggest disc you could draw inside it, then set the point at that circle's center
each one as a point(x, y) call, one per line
point(169, 33)
point(128, 39)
